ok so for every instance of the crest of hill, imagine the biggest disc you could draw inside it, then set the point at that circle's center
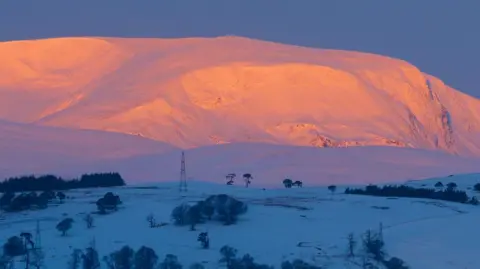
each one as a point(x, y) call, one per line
point(201, 91)
point(30, 149)
point(270, 164)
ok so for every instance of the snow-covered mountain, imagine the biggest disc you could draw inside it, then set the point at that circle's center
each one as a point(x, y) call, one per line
point(193, 92)
point(236, 104)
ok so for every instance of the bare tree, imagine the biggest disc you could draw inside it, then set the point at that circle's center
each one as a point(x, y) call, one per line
point(151, 220)
point(230, 178)
point(88, 220)
point(75, 259)
point(37, 257)
point(373, 245)
point(90, 258)
point(248, 179)
point(352, 244)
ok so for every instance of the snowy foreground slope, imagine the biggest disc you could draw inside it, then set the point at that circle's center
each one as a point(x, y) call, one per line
point(192, 92)
point(424, 233)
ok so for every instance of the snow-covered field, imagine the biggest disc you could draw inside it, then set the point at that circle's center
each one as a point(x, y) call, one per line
point(424, 233)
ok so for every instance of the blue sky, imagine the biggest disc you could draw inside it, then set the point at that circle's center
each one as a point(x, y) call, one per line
point(441, 37)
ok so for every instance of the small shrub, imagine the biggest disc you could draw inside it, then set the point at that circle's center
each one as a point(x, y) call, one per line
point(61, 196)
point(332, 188)
point(170, 262)
point(228, 255)
point(395, 263)
point(75, 259)
point(145, 258)
point(122, 258)
point(298, 264)
point(476, 187)
point(65, 225)
point(88, 221)
point(90, 259)
point(14, 247)
point(109, 202)
point(197, 265)
point(179, 214)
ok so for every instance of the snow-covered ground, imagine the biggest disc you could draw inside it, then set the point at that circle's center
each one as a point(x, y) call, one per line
point(424, 233)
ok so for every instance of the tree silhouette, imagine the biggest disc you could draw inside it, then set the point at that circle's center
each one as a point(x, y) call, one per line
point(332, 188)
point(65, 225)
point(248, 179)
point(287, 183)
point(88, 220)
point(452, 186)
point(298, 183)
point(145, 258)
point(476, 187)
point(230, 178)
point(51, 182)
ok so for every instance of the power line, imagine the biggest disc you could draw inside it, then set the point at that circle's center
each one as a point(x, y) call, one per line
point(183, 175)
point(38, 239)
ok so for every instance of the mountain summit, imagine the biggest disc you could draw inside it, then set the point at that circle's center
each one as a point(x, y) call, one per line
point(193, 92)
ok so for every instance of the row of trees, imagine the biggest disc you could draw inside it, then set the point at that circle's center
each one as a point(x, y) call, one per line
point(147, 258)
point(371, 254)
point(225, 208)
point(51, 182)
point(288, 183)
point(247, 179)
point(25, 201)
point(448, 194)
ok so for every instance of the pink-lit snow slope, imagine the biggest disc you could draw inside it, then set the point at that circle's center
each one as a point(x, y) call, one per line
point(193, 92)
point(235, 104)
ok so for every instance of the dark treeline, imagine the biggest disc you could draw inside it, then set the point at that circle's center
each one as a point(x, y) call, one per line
point(449, 194)
point(51, 182)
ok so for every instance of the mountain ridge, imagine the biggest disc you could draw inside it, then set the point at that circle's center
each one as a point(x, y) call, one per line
point(201, 91)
